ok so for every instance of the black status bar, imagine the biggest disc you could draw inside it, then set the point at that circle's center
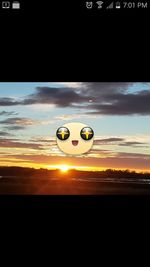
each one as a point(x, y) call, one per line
point(71, 7)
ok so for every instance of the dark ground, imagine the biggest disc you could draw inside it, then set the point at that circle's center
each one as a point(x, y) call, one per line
point(18, 180)
point(15, 185)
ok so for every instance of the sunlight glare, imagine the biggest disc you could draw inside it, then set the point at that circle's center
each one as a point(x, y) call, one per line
point(64, 168)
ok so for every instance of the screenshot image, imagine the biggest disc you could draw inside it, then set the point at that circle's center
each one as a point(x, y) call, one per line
point(74, 107)
point(74, 138)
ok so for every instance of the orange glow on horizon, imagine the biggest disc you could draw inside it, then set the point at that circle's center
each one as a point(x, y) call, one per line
point(65, 168)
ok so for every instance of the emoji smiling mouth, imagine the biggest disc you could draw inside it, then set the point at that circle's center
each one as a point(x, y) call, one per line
point(75, 142)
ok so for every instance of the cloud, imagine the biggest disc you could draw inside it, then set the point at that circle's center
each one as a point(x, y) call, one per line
point(133, 155)
point(124, 104)
point(8, 143)
point(8, 101)
point(67, 96)
point(125, 161)
point(69, 84)
point(68, 117)
point(131, 144)
point(14, 128)
point(94, 97)
point(8, 113)
point(19, 121)
point(120, 142)
point(2, 133)
point(107, 140)
point(62, 97)
point(101, 153)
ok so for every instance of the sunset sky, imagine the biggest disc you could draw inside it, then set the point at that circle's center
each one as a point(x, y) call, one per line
point(119, 114)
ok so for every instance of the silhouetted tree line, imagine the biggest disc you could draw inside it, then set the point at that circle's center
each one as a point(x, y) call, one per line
point(109, 173)
point(22, 171)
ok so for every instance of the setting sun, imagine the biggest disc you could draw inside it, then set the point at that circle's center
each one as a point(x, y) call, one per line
point(64, 168)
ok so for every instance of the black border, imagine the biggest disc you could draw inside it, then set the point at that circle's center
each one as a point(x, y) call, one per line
point(74, 45)
point(75, 210)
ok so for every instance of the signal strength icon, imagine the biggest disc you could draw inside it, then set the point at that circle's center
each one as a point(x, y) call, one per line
point(111, 6)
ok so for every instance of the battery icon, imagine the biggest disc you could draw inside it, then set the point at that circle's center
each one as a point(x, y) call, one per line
point(16, 5)
point(118, 5)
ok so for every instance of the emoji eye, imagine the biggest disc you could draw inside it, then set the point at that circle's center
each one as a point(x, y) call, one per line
point(87, 133)
point(62, 133)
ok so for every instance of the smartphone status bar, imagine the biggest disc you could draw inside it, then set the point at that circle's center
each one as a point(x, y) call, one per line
point(110, 5)
point(71, 7)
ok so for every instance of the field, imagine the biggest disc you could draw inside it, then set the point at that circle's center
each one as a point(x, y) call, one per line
point(44, 182)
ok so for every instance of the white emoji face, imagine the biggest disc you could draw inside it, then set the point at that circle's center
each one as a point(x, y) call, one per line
point(74, 138)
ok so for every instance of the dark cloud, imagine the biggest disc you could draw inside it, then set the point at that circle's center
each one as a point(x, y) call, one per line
point(8, 113)
point(13, 144)
point(2, 133)
point(14, 128)
point(98, 98)
point(105, 88)
point(67, 96)
point(8, 139)
point(8, 101)
point(132, 144)
point(124, 104)
point(62, 97)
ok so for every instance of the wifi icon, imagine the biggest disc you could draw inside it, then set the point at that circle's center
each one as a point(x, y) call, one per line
point(99, 4)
